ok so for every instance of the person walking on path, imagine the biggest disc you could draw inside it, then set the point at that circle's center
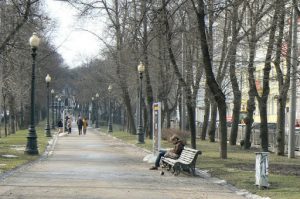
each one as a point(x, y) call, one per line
point(173, 153)
point(84, 125)
point(66, 122)
point(60, 126)
point(69, 125)
point(79, 124)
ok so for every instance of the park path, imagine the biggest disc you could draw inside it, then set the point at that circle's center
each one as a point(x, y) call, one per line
point(99, 166)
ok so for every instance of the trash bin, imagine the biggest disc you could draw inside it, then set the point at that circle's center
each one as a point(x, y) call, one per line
point(262, 169)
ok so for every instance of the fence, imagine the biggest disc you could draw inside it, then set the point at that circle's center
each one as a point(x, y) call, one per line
point(255, 137)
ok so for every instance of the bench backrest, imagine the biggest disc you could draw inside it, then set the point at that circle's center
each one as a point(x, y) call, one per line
point(189, 155)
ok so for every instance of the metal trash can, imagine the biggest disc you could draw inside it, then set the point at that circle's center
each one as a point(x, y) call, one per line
point(262, 169)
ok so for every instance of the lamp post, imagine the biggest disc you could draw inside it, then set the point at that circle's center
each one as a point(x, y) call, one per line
point(97, 111)
point(56, 106)
point(93, 110)
point(110, 129)
point(59, 100)
point(31, 147)
point(52, 100)
point(141, 69)
point(47, 128)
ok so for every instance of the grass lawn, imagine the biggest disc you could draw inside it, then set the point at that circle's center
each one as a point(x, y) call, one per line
point(15, 144)
point(239, 168)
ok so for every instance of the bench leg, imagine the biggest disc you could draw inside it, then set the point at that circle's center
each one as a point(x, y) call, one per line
point(177, 169)
point(193, 171)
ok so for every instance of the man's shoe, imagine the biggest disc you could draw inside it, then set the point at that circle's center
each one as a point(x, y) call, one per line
point(153, 168)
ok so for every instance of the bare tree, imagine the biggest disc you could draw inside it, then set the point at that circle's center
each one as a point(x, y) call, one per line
point(282, 78)
point(199, 7)
point(194, 73)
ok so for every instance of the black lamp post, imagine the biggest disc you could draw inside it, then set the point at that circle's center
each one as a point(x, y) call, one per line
point(93, 110)
point(110, 128)
point(52, 102)
point(31, 147)
point(141, 69)
point(97, 111)
point(59, 100)
point(56, 111)
point(47, 128)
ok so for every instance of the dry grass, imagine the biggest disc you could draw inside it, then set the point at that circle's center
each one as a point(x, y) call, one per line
point(239, 168)
point(15, 144)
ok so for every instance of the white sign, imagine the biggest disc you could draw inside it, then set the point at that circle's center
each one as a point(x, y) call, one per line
point(150, 158)
point(156, 127)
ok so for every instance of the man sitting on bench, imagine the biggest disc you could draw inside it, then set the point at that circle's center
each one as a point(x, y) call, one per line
point(174, 153)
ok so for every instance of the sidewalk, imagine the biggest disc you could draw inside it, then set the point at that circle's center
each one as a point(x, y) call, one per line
point(99, 166)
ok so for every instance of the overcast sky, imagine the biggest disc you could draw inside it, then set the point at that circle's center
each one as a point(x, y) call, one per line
point(76, 46)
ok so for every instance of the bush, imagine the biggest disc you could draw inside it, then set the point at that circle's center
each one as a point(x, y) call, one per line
point(167, 133)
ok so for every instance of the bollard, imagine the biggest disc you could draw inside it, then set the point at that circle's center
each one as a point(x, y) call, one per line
point(261, 169)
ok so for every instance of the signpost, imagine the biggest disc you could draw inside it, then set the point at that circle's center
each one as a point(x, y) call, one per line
point(156, 133)
point(156, 127)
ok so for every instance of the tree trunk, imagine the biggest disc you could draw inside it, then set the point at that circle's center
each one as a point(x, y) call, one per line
point(280, 130)
point(213, 120)
point(12, 116)
point(206, 114)
point(5, 116)
point(149, 92)
point(192, 124)
point(120, 70)
point(252, 88)
point(262, 101)
point(283, 82)
point(21, 125)
point(235, 115)
point(232, 72)
point(263, 125)
point(168, 114)
point(126, 98)
point(249, 120)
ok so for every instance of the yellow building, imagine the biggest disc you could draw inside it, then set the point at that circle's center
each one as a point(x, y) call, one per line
point(273, 95)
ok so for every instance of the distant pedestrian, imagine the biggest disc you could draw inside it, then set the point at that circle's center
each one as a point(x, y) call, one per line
point(66, 122)
point(79, 124)
point(60, 126)
point(69, 125)
point(85, 125)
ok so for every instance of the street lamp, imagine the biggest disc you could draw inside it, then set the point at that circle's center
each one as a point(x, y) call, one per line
point(110, 129)
point(31, 147)
point(97, 111)
point(59, 116)
point(56, 111)
point(47, 129)
point(141, 69)
point(93, 111)
point(52, 100)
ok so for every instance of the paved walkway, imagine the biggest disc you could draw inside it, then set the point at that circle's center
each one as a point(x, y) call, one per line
point(99, 166)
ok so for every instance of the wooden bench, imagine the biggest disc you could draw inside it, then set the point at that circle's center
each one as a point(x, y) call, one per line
point(185, 162)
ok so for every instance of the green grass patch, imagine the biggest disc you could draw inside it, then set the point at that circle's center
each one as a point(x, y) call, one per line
point(239, 168)
point(15, 144)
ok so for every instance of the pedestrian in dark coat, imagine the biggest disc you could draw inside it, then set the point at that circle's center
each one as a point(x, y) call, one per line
point(60, 126)
point(79, 124)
